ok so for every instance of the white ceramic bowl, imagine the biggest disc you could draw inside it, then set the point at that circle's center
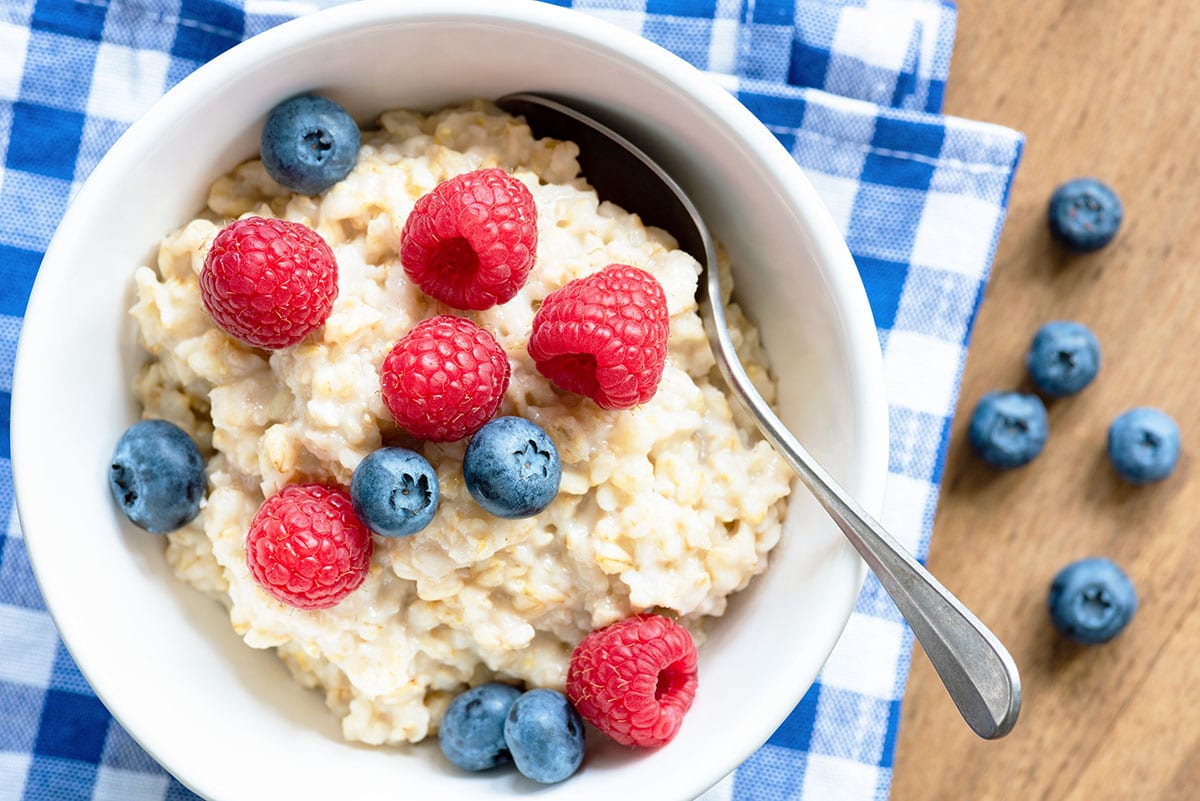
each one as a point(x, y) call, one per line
point(226, 719)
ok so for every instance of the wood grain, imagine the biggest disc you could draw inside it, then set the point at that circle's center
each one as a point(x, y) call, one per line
point(1109, 88)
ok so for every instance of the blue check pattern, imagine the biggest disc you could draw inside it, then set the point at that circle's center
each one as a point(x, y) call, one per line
point(853, 88)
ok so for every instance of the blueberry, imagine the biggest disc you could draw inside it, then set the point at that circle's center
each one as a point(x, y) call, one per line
point(1143, 445)
point(394, 491)
point(157, 476)
point(545, 736)
point(1063, 358)
point(309, 144)
point(1008, 429)
point(472, 730)
point(1084, 215)
point(1091, 601)
point(512, 468)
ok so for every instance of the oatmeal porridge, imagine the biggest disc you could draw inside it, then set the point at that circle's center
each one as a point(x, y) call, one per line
point(670, 506)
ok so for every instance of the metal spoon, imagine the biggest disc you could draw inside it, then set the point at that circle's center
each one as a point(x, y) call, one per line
point(977, 671)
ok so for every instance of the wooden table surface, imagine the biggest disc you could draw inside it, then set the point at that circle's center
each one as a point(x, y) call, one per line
point(1107, 88)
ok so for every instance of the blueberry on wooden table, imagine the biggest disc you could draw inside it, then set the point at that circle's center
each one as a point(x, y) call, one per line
point(1008, 429)
point(1091, 601)
point(1063, 358)
point(1084, 214)
point(1143, 445)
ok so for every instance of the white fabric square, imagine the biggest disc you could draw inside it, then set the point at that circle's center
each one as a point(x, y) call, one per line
point(13, 770)
point(866, 644)
point(827, 778)
point(920, 372)
point(838, 194)
point(126, 82)
point(14, 40)
point(955, 233)
point(113, 784)
point(722, 45)
point(929, 16)
point(874, 36)
point(905, 501)
point(728, 9)
point(627, 14)
point(27, 643)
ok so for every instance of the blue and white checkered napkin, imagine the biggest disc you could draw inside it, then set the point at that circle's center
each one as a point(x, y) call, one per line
point(852, 87)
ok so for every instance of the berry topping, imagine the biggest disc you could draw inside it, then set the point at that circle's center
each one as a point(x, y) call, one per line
point(1084, 215)
point(1091, 601)
point(1063, 358)
point(1143, 445)
point(604, 336)
point(395, 492)
point(157, 476)
point(471, 242)
point(309, 144)
point(269, 283)
point(1008, 429)
point(307, 548)
point(544, 734)
point(472, 730)
point(512, 468)
point(444, 379)
point(635, 680)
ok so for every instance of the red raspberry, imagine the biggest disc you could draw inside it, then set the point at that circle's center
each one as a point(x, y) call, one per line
point(307, 548)
point(444, 379)
point(269, 283)
point(604, 336)
point(635, 680)
point(471, 242)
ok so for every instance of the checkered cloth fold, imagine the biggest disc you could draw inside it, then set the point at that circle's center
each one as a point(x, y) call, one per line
point(853, 89)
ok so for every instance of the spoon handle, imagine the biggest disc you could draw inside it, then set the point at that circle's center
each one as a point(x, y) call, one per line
point(978, 672)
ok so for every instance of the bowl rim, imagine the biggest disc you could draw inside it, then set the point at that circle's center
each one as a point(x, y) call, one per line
point(837, 265)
